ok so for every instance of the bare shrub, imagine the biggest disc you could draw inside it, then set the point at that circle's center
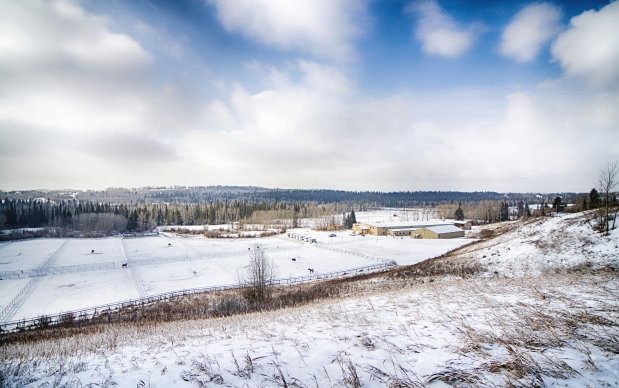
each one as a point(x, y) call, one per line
point(258, 276)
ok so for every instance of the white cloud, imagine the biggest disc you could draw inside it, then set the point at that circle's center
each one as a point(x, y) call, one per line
point(589, 48)
point(105, 124)
point(324, 28)
point(527, 32)
point(63, 68)
point(438, 33)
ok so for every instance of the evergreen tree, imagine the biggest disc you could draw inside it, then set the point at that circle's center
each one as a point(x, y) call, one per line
point(132, 221)
point(584, 205)
point(295, 220)
point(353, 218)
point(527, 211)
point(556, 204)
point(504, 213)
point(594, 199)
point(520, 210)
point(459, 213)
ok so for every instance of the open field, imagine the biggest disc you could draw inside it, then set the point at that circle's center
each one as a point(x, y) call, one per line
point(74, 277)
point(557, 330)
point(548, 319)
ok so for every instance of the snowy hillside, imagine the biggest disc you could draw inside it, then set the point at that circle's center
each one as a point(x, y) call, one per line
point(546, 245)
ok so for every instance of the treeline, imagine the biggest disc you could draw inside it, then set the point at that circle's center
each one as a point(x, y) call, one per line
point(110, 218)
point(250, 194)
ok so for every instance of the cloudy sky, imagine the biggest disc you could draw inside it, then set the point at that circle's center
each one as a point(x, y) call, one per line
point(343, 94)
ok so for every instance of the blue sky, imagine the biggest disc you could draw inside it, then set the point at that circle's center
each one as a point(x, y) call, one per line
point(358, 95)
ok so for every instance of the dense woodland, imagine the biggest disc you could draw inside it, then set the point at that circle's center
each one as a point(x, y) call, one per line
point(117, 210)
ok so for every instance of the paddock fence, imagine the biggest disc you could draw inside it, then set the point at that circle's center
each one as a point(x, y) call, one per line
point(87, 313)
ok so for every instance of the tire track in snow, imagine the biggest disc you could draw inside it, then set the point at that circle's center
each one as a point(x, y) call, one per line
point(18, 301)
point(135, 276)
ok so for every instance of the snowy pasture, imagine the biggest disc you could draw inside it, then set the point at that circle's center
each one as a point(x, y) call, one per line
point(24, 255)
point(58, 293)
point(82, 273)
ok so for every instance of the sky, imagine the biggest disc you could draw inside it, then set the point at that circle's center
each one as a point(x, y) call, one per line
point(507, 96)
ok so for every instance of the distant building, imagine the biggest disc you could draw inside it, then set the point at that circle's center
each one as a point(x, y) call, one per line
point(443, 231)
point(419, 229)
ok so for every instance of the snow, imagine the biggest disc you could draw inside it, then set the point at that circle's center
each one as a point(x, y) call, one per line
point(547, 244)
point(77, 278)
point(444, 229)
point(25, 255)
point(420, 335)
point(78, 251)
point(61, 293)
point(9, 289)
point(531, 324)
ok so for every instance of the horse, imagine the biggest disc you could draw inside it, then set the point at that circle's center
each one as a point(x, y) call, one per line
point(311, 270)
point(124, 265)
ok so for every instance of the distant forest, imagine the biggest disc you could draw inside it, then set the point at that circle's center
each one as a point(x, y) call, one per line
point(118, 210)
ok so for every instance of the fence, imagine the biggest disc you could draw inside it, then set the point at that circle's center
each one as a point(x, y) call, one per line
point(88, 313)
point(59, 270)
point(321, 245)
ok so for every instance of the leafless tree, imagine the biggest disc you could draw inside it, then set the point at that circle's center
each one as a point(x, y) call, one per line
point(258, 276)
point(103, 223)
point(607, 180)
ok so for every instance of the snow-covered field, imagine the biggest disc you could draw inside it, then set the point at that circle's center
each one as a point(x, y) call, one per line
point(545, 312)
point(24, 255)
point(79, 278)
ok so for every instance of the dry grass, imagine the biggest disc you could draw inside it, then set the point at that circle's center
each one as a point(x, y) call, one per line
point(494, 340)
point(523, 332)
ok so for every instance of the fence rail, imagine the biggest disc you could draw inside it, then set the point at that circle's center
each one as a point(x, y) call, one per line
point(59, 270)
point(87, 313)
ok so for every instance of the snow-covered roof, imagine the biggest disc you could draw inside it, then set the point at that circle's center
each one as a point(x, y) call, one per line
point(403, 229)
point(444, 229)
point(409, 224)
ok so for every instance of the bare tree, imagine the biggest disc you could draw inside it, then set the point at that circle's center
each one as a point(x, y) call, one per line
point(258, 276)
point(607, 180)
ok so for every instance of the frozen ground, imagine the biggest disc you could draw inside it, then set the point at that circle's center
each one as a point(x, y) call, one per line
point(24, 255)
point(162, 264)
point(478, 332)
point(531, 320)
point(546, 245)
point(55, 294)
point(80, 251)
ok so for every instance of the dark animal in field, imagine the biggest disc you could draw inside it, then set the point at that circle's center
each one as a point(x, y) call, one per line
point(93, 251)
point(124, 265)
point(293, 259)
point(169, 244)
point(311, 270)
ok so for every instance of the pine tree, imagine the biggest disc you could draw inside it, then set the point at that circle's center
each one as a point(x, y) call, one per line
point(594, 199)
point(527, 211)
point(504, 214)
point(353, 218)
point(584, 205)
point(459, 213)
point(520, 210)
